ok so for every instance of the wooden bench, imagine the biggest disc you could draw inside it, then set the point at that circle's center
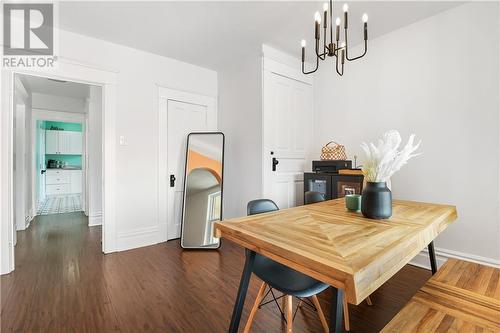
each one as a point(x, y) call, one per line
point(461, 297)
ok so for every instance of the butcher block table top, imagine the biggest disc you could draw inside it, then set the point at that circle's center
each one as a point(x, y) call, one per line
point(341, 248)
point(461, 297)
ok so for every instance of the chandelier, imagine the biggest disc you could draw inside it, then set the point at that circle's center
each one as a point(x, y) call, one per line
point(332, 48)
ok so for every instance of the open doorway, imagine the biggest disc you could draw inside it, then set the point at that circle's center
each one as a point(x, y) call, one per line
point(57, 165)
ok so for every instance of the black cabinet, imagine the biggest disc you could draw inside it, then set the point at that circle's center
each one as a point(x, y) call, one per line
point(333, 185)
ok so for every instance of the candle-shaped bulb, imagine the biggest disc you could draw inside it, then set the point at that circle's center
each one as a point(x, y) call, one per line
point(303, 43)
point(345, 7)
point(317, 17)
point(337, 30)
point(365, 17)
point(325, 7)
point(342, 45)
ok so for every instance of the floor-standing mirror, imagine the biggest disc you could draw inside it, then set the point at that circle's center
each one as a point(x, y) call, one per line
point(202, 204)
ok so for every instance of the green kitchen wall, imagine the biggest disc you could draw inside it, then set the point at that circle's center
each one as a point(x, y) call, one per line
point(73, 160)
point(75, 127)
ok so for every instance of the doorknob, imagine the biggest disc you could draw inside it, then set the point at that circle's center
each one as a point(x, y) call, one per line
point(275, 163)
point(172, 181)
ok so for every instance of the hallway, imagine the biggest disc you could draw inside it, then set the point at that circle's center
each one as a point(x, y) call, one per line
point(63, 283)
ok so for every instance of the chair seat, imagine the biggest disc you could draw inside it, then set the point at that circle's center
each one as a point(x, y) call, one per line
point(285, 279)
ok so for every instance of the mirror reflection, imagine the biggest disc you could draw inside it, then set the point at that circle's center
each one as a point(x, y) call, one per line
point(203, 190)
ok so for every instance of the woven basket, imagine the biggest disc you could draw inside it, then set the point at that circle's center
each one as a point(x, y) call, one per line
point(335, 152)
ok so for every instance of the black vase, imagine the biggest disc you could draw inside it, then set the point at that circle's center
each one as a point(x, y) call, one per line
point(376, 201)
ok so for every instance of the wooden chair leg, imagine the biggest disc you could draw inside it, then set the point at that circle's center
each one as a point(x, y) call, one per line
point(289, 313)
point(346, 316)
point(369, 301)
point(321, 315)
point(255, 307)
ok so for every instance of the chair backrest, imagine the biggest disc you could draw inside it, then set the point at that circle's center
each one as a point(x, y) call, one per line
point(260, 206)
point(311, 197)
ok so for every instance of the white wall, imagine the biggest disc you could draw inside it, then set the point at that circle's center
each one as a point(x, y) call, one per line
point(138, 76)
point(240, 118)
point(438, 78)
point(94, 156)
point(58, 103)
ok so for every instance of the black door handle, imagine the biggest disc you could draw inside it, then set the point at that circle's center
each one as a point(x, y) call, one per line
point(43, 171)
point(172, 180)
point(275, 163)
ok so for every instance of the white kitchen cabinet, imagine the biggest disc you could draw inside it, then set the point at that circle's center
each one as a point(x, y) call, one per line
point(63, 142)
point(75, 143)
point(51, 142)
point(61, 182)
point(76, 181)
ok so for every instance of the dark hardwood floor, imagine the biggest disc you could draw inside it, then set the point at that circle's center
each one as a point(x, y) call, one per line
point(63, 283)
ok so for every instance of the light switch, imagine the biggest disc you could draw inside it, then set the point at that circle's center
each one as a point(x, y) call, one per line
point(123, 140)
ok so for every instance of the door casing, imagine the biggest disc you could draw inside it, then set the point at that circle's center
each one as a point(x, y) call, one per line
point(165, 95)
point(68, 70)
point(294, 160)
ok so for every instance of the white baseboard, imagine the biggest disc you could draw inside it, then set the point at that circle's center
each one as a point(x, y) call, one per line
point(137, 238)
point(422, 259)
point(95, 219)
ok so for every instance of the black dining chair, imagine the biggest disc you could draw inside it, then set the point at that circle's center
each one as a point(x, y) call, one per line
point(284, 279)
point(311, 197)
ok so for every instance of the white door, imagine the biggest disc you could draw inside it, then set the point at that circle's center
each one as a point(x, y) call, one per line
point(52, 142)
point(287, 128)
point(41, 167)
point(180, 114)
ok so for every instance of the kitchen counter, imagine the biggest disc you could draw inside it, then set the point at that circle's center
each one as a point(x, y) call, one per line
point(66, 168)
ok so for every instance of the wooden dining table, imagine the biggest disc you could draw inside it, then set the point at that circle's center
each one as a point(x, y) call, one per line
point(353, 254)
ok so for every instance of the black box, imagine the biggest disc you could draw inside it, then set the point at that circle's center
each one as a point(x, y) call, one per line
point(331, 165)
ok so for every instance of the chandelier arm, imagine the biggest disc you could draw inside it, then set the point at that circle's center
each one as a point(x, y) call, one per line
point(347, 53)
point(337, 66)
point(360, 56)
point(312, 71)
point(331, 22)
point(325, 48)
point(322, 55)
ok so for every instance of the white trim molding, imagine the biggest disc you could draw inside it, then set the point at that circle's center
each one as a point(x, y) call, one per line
point(422, 259)
point(95, 219)
point(137, 238)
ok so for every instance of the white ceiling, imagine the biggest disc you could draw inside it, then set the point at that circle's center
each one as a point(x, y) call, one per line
point(211, 34)
point(58, 88)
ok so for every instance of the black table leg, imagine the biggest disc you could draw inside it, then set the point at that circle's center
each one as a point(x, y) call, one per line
point(432, 257)
point(242, 291)
point(336, 315)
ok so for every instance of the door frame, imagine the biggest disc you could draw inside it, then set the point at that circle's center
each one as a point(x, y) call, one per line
point(69, 70)
point(166, 94)
point(22, 214)
point(280, 64)
point(53, 115)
